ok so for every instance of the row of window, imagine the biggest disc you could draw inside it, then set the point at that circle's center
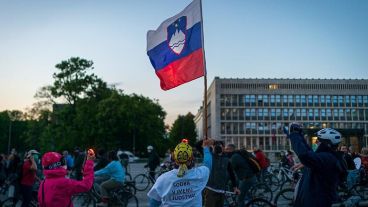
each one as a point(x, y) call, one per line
point(276, 127)
point(275, 86)
point(293, 114)
point(265, 143)
point(293, 100)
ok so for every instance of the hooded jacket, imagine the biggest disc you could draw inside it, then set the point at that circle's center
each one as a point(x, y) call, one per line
point(323, 173)
point(56, 190)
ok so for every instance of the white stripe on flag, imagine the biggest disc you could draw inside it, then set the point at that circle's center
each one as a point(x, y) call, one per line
point(193, 13)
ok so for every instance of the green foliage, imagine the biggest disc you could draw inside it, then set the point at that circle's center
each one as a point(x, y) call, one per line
point(183, 127)
point(95, 115)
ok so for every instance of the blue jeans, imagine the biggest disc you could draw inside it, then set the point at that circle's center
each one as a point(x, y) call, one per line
point(353, 178)
point(244, 186)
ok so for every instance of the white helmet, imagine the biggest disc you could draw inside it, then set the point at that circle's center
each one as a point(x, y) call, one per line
point(149, 147)
point(329, 134)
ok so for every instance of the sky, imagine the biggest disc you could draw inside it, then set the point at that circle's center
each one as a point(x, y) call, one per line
point(242, 39)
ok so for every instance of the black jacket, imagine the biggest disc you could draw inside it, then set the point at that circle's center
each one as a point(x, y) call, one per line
point(323, 173)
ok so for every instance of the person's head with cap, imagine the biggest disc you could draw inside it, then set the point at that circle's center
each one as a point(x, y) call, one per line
point(33, 153)
point(149, 148)
point(183, 157)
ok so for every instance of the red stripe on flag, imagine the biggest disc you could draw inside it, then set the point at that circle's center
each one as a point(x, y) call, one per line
point(182, 71)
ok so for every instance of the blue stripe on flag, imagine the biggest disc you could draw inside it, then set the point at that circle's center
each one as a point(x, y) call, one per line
point(161, 55)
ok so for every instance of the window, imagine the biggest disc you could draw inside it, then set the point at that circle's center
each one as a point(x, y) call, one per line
point(285, 113)
point(336, 113)
point(265, 99)
point(247, 113)
point(341, 100)
point(341, 114)
point(316, 113)
point(272, 100)
point(235, 114)
point(278, 112)
point(278, 100)
point(348, 114)
point(297, 99)
point(303, 100)
point(265, 113)
point(328, 113)
point(360, 100)
point(227, 114)
point(284, 100)
point(222, 114)
point(252, 99)
point(334, 100)
point(260, 100)
point(353, 101)
point(241, 100)
point(310, 100)
point(323, 113)
point(328, 100)
point(222, 100)
point(273, 113)
point(234, 100)
point(347, 100)
point(291, 113)
point(290, 98)
point(315, 100)
point(310, 113)
point(247, 100)
point(323, 101)
point(304, 112)
point(298, 113)
point(354, 114)
point(253, 112)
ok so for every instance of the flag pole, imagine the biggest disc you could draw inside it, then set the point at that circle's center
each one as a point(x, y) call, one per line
point(204, 112)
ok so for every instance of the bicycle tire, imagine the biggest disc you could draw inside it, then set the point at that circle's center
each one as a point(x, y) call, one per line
point(9, 202)
point(131, 188)
point(284, 198)
point(84, 199)
point(142, 182)
point(272, 181)
point(128, 177)
point(259, 202)
point(261, 190)
point(127, 199)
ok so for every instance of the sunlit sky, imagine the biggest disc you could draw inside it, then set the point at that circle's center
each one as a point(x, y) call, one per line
point(243, 39)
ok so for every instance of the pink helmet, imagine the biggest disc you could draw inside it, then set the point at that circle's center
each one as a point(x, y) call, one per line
point(52, 160)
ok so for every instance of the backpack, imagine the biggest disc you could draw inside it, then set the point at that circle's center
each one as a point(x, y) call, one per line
point(252, 161)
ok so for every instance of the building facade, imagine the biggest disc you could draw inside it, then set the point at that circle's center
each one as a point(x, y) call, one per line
point(251, 113)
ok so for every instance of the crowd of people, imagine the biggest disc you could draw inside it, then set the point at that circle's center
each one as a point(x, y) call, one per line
point(224, 168)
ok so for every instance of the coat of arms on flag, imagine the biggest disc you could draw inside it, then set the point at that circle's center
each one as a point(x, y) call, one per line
point(176, 34)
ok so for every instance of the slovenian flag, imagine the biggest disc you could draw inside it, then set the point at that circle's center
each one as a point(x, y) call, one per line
point(175, 48)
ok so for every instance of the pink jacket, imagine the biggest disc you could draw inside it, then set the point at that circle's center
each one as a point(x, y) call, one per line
point(58, 190)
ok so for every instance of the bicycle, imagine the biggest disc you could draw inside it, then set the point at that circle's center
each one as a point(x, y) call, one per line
point(13, 200)
point(144, 180)
point(122, 196)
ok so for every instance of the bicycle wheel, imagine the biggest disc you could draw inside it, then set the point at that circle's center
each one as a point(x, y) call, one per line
point(130, 186)
point(284, 198)
point(9, 202)
point(259, 202)
point(127, 199)
point(128, 177)
point(261, 190)
point(141, 182)
point(272, 181)
point(84, 199)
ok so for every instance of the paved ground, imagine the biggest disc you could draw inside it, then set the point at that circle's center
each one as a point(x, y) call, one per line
point(135, 169)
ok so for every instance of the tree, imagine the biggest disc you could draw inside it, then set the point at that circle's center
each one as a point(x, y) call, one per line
point(72, 81)
point(183, 127)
